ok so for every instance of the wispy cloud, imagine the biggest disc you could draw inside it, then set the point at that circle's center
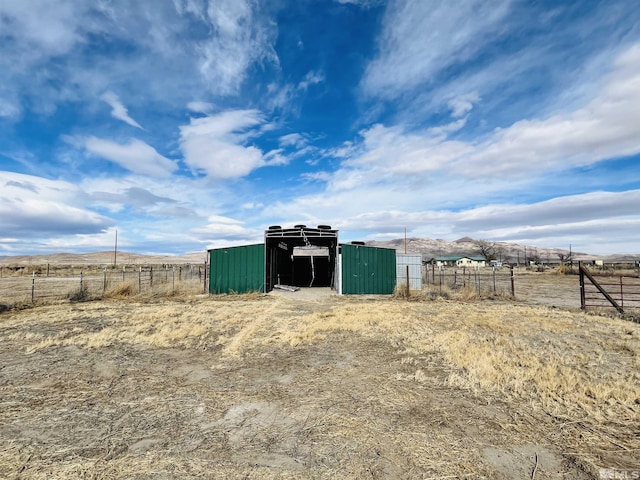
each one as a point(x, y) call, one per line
point(221, 230)
point(143, 200)
point(606, 127)
point(311, 78)
point(292, 140)
point(173, 48)
point(463, 104)
point(50, 211)
point(201, 107)
point(420, 39)
point(361, 3)
point(135, 156)
point(118, 110)
point(243, 35)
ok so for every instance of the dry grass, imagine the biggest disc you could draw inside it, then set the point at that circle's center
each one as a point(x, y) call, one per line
point(579, 372)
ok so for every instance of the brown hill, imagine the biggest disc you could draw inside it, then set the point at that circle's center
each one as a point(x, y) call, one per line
point(102, 258)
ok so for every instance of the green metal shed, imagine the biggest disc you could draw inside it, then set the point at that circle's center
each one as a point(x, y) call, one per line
point(237, 269)
point(367, 270)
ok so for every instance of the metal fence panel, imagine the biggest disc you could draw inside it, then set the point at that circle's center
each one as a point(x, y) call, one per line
point(237, 269)
point(368, 270)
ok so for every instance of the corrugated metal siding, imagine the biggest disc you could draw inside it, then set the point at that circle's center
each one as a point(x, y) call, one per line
point(368, 270)
point(237, 269)
point(414, 262)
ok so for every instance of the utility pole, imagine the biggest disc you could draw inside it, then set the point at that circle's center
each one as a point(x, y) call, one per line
point(115, 250)
point(405, 239)
point(570, 257)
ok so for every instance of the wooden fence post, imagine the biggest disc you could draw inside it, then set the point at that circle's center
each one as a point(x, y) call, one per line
point(408, 287)
point(204, 288)
point(513, 288)
point(494, 279)
point(583, 300)
point(33, 287)
point(476, 273)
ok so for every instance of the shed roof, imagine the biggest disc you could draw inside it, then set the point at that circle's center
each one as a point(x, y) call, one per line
point(459, 257)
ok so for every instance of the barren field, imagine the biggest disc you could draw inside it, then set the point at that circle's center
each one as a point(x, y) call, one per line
point(307, 386)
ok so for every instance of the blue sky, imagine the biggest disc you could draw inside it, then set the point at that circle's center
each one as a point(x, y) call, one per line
point(191, 124)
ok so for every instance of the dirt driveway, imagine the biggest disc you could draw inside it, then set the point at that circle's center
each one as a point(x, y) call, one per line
point(286, 387)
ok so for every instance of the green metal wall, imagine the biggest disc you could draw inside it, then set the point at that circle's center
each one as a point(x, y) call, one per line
point(368, 270)
point(237, 269)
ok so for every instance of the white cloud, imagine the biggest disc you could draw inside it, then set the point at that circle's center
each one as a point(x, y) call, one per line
point(361, 3)
point(606, 127)
point(311, 78)
point(275, 158)
point(172, 48)
point(34, 208)
point(34, 32)
point(292, 140)
point(216, 144)
point(242, 36)
point(48, 29)
point(594, 221)
point(569, 209)
point(462, 104)
point(9, 109)
point(201, 107)
point(224, 231)
point(118, 110)
point(135, 156)
point(389, 150)
point(321, 176)
point(420, 39)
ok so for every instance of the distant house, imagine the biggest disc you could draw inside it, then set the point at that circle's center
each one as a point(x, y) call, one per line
point(459, 261)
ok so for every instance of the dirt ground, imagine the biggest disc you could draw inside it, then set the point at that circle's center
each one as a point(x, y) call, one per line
point(301, 385)
point(560, 291)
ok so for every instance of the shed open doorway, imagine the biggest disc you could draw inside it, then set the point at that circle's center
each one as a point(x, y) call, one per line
point(300, 256)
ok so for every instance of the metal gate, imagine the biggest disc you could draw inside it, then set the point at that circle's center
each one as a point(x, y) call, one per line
point(621, 292)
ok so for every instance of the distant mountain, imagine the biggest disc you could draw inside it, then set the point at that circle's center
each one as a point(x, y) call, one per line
point(507, 252)
point(102, 258)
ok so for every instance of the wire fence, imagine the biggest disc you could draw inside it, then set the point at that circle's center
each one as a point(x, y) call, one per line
point(482, 280)
point(47, 283)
